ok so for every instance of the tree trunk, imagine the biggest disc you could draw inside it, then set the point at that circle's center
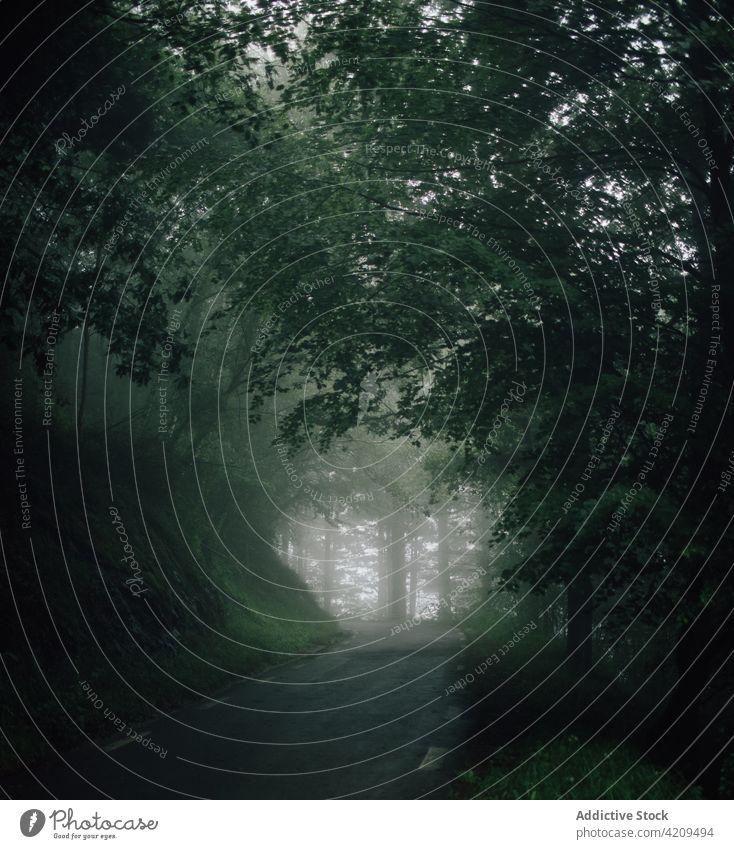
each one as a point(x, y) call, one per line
point(295, 549)
point(381, 569)
point(444, 567)
point(328, 571)
point(84, 376)
point(396, 596)
point(580, 612)
point(698, 654)
point(413, 581)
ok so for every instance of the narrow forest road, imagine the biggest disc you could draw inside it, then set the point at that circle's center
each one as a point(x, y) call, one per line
point(367, 719)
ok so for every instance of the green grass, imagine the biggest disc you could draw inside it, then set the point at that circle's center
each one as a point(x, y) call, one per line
point(275, 617)
point(570, 769)
point(551, 734)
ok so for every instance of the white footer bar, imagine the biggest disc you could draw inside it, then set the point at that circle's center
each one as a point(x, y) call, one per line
point(368, 824)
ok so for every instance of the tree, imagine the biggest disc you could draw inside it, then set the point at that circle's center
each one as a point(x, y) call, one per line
point(549, 209)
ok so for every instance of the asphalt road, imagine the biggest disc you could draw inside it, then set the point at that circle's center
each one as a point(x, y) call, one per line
point(368, 718)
